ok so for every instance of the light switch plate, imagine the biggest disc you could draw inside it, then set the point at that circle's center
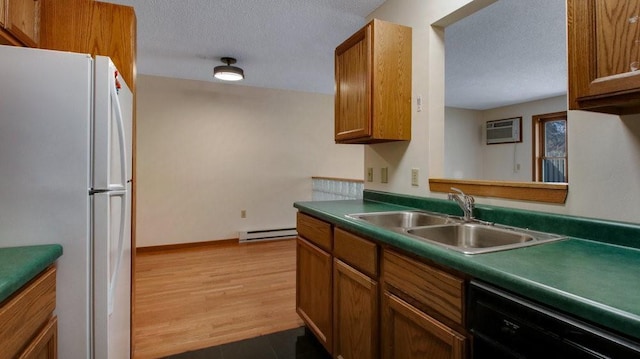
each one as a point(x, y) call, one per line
point(384, 175)
point(369, 174)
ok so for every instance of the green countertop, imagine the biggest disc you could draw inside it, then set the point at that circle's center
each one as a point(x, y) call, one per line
point(18, 265)
point(598, 282)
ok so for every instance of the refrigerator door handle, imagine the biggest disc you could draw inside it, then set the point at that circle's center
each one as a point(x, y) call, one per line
point(112, 188)
point(121, 132)
point(120, 248)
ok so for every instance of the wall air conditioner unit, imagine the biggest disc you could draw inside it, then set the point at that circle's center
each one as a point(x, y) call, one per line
point(504, 131)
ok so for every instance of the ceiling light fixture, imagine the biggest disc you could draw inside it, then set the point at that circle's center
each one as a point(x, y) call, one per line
point(228, 72)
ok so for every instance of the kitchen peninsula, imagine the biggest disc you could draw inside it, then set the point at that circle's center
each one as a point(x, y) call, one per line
point(586, 276)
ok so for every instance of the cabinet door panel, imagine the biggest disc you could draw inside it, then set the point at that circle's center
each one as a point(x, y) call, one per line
point(616, 36)
point(409, 333)
point(355, 313)
point(23, 20)
point(44, 346)
point(353, 87)
point(603, 56)
point(3, 4)
point(313, 290)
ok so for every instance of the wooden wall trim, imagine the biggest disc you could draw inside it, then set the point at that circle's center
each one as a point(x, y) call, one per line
point(526, 191)
point(181, 246)
point(196, 245)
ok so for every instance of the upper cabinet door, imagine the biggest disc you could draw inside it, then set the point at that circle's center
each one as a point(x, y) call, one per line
point(373, 85)
point(604, 55)
point(3, 6)
point(23, 21)
point(353, 86)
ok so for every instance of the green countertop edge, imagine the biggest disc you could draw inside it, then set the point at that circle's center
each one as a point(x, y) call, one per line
point(617, 320)
point(18, 265)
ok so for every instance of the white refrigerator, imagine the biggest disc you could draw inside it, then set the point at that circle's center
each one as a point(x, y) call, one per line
point(65, 167)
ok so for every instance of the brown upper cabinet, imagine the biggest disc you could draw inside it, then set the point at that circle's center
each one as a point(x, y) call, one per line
point(20, 20)
point(373, 85)
point(604, 55)
point(92, 27)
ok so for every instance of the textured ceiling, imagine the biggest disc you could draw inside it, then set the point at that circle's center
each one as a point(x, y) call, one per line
point(285, 44)
point(511, 51)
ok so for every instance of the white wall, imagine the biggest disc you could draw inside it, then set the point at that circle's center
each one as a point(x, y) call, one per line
point(463, 144)
point(604, 150)
point(207, 150)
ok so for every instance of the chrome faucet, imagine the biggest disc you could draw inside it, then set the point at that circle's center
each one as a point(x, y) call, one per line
point(464, 201)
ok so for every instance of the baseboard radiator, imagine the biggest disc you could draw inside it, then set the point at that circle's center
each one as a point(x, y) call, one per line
point(266, 234)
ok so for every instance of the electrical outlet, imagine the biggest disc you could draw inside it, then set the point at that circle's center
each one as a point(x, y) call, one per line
point(243, 213)
point(369, 174)
point(415, 181)
point(384, 175)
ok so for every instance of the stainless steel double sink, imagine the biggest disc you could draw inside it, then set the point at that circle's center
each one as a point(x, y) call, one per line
point(471, 237)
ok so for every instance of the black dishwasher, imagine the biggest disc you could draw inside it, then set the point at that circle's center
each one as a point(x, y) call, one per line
point(507, 326)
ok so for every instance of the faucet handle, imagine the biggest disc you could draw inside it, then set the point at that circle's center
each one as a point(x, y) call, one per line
point(470, 199)
point(458, 190)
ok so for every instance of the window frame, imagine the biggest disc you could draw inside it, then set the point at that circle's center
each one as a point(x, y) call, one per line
point(538, 125)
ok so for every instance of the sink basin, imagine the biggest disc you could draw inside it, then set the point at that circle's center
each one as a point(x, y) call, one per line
point(453, 233)
point(473, 238)
point(402, 219)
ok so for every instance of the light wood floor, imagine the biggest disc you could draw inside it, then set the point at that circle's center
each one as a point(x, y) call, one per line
point(199, 297)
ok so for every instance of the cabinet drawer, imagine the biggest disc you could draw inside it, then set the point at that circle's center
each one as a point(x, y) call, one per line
point(315, 230)
point(26, 312)
point(45, 345)
point(432, 287)
point(358, 252)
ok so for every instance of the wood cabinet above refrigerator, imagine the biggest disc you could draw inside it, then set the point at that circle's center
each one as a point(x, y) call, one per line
point(20, 22)
point(92, 27)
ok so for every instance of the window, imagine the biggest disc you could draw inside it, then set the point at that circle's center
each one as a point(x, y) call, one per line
point(550, 147)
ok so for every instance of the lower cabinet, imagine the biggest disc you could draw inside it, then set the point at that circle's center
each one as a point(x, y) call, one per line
point(364, 300)
point(408, 333)
point(313, 290)
point(28, 329)
point(422, 310)
point(355, 314)
point(314, 271)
